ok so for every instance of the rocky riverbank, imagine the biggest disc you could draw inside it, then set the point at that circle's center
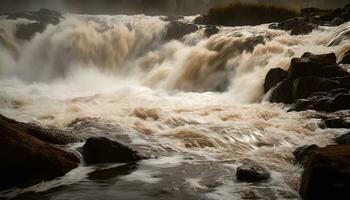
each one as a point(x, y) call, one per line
point(318, 82)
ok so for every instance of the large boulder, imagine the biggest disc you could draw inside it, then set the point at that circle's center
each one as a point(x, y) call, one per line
point(327, 174)
point(273, 77)
point(304, 28)
point(27, 31)
point(42, 18)
point(103, 150)
point(27, 160)
point(50, 135)
point(176, 30)
point(301, 153)
point(313, 82)
point(252, 172)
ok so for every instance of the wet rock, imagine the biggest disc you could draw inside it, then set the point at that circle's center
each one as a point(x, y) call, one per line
point(304, 28)
point(45, 16)
point(282, 93)
point(313, 82)
point(27, 31)
point(301, 153)
point(311, 18)
point(273, 77)
point(314, 65)
point(210, 30)
point(109, 173)
point(176, 30)
point(346, 58)
point(103, 150)
point(50, 135)
point(200, 20)
point(27, 160)
point(252, 172)
point(337, 123)
point(304, 87)
point(343, 139)
point(327, 174)
point(42, 18)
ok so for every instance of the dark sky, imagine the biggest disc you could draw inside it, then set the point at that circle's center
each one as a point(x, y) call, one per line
point(150, 6)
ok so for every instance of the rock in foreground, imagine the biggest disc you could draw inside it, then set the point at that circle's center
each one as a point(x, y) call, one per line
point(252, 172)
point(103, 150)
point(27, 160)
point(327, 174)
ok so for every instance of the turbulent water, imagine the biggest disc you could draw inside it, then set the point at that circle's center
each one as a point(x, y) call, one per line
point(195, 105)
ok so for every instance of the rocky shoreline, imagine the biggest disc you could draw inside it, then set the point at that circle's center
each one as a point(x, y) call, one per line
point(313, 82)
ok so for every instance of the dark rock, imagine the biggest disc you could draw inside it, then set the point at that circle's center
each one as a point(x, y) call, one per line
point(27, 160)
point(337, 123)
point(300, 105)
point(338, 91)
point(27, 31)
point(314, 65)
point(176, 30)
point(343, 139)
point(340, 102)
point(200, 20)
point(252, 172)
point(346, 58)
point(50, 135)
point(305, 86)
point(273, 77)
point(301, 153)
point(109, 173)
point(282, 93)
point(327, 174)
point(304, 28)
point(211, 30)
point(43, 15)
point(103, 150)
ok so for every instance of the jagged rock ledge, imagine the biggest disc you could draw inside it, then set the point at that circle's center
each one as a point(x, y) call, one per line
point(318, 82)
point(30, 154)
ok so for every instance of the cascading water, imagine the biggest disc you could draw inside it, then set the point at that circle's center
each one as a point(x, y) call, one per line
point(193, 104)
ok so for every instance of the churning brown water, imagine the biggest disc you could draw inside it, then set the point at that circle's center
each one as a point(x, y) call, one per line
point(195, 105)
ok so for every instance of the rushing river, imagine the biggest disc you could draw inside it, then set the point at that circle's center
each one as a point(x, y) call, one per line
point(196, 106)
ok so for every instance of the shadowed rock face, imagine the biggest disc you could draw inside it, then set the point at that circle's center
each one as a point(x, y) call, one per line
point(102, 150)
point(27, 160)
point(314, 82)
point(42, 18)
point(327, 174)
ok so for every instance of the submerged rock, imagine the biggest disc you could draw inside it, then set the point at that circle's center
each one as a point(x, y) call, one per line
point(103, 150)
point(327, 174)
point(27, 160)
point(252, 172)
point(210, 30)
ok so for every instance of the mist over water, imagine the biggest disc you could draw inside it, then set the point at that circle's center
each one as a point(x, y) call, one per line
point(195, 104)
